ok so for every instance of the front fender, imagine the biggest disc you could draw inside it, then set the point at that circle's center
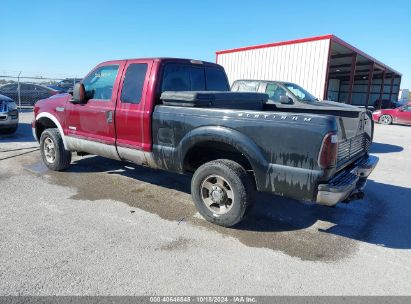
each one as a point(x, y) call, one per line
point(52, 109)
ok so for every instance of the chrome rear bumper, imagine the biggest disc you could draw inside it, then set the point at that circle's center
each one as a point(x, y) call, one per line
point(347, 184)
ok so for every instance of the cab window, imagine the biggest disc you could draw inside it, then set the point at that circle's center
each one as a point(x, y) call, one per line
point(216, 80)
point(180, 77)
point(184, 77)
point(299, 92)
point(134, 83)
point(99, 84)
point(275, 92)
point(245, 86)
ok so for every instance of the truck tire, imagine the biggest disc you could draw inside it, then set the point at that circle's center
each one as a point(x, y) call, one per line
point(52, 150)
point(223, 192)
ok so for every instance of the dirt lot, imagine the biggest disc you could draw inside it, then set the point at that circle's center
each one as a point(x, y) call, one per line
point(110, 228)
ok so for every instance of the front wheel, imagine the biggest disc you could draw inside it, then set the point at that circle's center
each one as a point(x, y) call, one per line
point(385, 119)
point(52, 150)
point(223, 192)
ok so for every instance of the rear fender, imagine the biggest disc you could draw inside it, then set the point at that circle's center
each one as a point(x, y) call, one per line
point(228, 136)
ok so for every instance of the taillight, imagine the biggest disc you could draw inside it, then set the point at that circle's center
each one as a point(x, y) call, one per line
point(328, 153)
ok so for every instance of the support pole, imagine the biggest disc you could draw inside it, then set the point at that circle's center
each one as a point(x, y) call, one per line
point(381, 89)
point(370, 77)
point(327, 73)
point(352, 76)
point(18, 90)
point(392, 84)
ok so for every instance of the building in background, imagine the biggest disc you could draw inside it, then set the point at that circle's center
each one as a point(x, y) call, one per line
point(404, 96)
point(326, 66)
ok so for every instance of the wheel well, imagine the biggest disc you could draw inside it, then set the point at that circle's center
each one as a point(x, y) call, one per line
point(208, 151)
point(43, 124)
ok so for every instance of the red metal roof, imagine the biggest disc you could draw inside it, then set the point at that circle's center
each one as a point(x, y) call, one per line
point(260, 46)
point(309, 39)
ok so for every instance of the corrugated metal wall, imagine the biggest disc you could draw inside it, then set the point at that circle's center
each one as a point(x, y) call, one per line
point(302, 63)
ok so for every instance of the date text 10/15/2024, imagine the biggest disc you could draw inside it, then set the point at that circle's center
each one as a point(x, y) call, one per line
point(202, 299)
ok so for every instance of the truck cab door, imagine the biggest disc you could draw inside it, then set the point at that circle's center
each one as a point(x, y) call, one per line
point(132, 119)
point(90, 127)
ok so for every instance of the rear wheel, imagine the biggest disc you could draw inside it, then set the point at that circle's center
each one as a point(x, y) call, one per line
point(223, 192)
point(53, 153)
point(385, 119)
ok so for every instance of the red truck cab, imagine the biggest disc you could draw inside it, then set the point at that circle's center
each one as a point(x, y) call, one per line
point(116, 121)
point(130, 108)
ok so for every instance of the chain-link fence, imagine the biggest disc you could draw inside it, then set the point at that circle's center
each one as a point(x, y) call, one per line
point(26, 89)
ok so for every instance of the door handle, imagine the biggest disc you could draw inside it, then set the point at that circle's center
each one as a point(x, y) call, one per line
point(109, 116)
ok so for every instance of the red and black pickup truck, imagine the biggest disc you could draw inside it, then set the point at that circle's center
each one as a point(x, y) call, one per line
point(179, 115)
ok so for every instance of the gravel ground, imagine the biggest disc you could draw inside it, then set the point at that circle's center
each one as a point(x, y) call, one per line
point(110, 228)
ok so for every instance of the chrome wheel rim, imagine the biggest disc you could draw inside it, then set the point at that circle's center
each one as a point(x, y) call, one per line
point(385, 119)
point(217, 194)
point(49, 150)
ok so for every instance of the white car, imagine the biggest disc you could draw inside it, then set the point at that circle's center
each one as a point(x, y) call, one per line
point(9, 116)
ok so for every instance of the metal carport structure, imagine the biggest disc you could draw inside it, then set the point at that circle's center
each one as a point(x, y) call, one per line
point(325, 65)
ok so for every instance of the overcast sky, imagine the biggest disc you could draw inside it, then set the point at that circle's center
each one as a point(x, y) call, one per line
point(68, 38)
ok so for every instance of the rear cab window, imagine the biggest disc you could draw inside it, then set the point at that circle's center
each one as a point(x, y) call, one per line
point(186, 77)
point(216, 79)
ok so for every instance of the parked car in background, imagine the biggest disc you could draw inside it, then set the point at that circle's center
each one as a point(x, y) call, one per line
point(279, 92)
point(290, 97)
point(29, 93)
point(399, 115)
point(285, 94)
point(68, 83)
point(57, 88)
point(9, 116)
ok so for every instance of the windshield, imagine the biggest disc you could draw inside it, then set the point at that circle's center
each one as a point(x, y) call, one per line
point(299, 92)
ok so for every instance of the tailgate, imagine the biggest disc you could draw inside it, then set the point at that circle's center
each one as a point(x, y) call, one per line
point(354, 138)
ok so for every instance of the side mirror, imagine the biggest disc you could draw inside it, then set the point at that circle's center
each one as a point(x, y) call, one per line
point(79, 94)
point(284, 99)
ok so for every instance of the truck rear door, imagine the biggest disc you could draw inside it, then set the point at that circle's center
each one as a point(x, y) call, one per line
point(91, 126)
point(132, 121)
